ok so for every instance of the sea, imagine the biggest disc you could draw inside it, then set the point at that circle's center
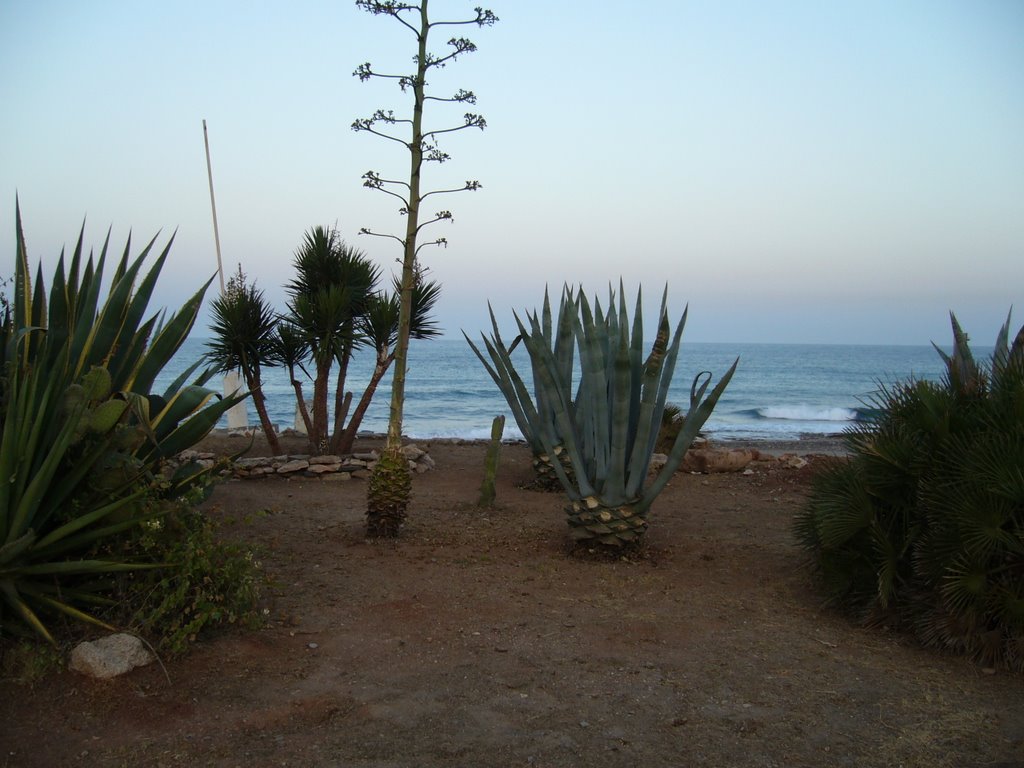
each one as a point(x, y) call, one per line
point(779, 391)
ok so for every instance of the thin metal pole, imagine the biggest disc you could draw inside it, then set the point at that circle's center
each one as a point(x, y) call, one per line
point(213, 206)
point(238, 417)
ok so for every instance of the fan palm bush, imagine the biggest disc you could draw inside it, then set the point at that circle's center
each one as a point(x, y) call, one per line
point(924, 526)
point(609, 426)
point(83, 440)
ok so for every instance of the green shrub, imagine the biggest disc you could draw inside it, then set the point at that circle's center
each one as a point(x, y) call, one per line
point(209, 582)
point(84, 443)
point(924, 526)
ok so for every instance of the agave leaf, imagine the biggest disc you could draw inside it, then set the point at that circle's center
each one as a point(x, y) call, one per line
point(70, 610)
point(39, 300)
point(60, 309)
point(167, 341)
point(182, 403)
point(691, 426)
point(657, 378)
point(42, 475)
point(84, 539)
point(185, 375)
point(88, 309)
point(13, 549)
point(82, 521)
point(14, 599)
point(545, 373)
point(126, 350)
point(76, 567)
point(592, 403)
point(198, 426)
point(128, 353)
point(619, 439)
point(512, 387)
point(108, 326)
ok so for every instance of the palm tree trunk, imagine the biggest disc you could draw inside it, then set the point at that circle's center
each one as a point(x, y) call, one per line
point(342, 402)
point(300, 398)
point(260, 402)
point(318, 437)
point(348, 437)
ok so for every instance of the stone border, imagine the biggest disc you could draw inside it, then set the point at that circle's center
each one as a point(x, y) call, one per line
point(327, 467)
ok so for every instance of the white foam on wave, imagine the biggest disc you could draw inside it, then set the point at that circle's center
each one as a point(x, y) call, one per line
point(806, 413)
point(511, 432)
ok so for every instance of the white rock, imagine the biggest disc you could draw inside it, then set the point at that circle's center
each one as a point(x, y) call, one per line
point(110, 656)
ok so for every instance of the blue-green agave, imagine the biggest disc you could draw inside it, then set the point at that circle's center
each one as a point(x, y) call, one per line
point(606, 418)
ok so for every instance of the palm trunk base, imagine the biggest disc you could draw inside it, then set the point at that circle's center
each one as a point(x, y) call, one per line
point(593, 524)
point(545, 477)
point(387, 495)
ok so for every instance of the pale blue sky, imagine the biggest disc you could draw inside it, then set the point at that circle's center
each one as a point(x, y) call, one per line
point(796, 171)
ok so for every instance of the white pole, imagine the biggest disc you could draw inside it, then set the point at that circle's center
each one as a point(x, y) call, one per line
point(213, 206)
point(238, 418)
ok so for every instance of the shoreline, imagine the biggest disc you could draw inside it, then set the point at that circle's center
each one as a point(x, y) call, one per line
point(808, 444)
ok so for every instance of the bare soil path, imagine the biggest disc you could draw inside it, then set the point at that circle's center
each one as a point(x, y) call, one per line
point(477, 640)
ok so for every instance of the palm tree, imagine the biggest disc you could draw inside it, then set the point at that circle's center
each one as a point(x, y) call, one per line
point(331, 290)
point(244, 339)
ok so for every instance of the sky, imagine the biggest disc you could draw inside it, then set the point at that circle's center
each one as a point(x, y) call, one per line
point(795, 172)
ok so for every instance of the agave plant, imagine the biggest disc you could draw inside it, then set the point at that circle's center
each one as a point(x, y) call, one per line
point(609, 428)
point(924, 526)
point(84, 442)
point(501, 368)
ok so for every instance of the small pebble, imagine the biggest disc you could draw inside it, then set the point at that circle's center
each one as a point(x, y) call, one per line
point(314, 646)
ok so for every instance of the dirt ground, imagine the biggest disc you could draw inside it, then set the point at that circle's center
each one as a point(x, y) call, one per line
point(478, 640)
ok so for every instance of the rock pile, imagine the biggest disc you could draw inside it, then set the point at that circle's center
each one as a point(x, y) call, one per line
point(326, 467)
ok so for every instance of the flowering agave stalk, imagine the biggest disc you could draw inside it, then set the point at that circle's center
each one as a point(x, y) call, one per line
point(609, 429)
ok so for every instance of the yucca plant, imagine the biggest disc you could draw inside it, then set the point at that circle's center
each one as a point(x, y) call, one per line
point(244, 338)
point(609, 428)
point(331, 290)
point(84, 442)
point(924, 525)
